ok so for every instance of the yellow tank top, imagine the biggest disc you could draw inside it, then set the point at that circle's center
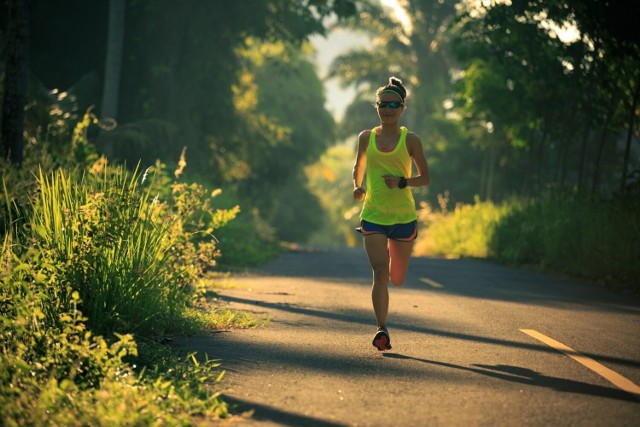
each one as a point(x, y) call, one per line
point(382, 205)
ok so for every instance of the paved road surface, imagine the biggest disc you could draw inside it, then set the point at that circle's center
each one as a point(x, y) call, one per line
point(467, 349)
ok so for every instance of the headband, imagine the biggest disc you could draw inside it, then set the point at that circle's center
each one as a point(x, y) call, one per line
point(393, 90)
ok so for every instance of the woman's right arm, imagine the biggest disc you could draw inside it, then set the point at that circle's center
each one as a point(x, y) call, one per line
point(359, 166)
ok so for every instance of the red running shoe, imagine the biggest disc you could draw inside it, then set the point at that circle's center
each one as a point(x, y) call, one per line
point(381, 340)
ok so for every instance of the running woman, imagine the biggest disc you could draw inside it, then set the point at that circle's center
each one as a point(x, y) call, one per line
point(388, 218)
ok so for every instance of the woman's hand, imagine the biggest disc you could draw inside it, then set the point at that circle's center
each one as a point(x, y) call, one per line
point(358, 193)
point(391, 181)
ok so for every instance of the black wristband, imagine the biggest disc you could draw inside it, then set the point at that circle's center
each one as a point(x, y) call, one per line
point(402, 183)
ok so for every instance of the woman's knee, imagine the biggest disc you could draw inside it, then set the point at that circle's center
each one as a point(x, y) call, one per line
point(380, 270)
point(397, 279)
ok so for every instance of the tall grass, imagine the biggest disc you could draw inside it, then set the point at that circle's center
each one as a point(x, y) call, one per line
point(593, 239)
point(464, 232)
point(108, 234)
point(95, 263)
point(56, 372)
point(95, 258)
point(597, 240)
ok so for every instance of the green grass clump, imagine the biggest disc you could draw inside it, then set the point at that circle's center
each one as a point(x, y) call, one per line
point(224, 318)
point(127, 254)
point(113, 249)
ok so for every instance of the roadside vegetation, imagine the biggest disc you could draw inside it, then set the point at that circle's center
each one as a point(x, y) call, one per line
point(99, 266)
point(104, 262)
point(587, 238)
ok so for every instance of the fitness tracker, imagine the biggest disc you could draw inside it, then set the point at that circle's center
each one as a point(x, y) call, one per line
point(402, 183)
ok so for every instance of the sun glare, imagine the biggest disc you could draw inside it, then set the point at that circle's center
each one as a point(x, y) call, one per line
point(400, 14)
point(567, 33)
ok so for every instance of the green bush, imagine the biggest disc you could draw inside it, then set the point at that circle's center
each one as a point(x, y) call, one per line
point(129, 250)
point(131, 257)
point(562, 233)
point(134, 259)
point(247, 241)
point(53, 371)
point(465, 232)
point(593, 239)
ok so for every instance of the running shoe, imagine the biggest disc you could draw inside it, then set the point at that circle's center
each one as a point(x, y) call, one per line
point(381, 340)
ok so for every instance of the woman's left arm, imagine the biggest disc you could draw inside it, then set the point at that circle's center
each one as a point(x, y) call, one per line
point(414, 146)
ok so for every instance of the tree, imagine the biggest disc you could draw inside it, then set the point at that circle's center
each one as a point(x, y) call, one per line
point(282, 100)
point(182, 64)
point(577, 93)
point(113, 65)
point(15, 80)
point(179, 64)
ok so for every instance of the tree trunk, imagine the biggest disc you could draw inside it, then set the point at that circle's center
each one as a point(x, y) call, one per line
point(15, 81)
point(113, 65)
point(627, 151)
point(483, 174)
point(583, 153)
point(493, 155)
point(603, 138)
point(541, 159)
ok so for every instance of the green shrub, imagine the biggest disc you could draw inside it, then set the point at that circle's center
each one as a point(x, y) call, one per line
point(465, 232)
point(247, 241)
point(53, 371)
point(128, 250)
point(117, 247)
point(593, 239)
point(562, 233)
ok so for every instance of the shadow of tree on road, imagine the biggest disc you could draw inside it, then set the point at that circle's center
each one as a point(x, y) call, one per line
point(269, 413)
point(531, 378)
point(468, 277)
point(358, 318)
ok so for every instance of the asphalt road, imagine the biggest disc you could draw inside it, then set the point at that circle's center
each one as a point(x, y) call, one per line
point(474, 344)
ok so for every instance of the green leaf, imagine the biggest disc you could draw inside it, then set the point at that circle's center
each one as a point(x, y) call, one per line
point(21, 267)
point(42, 231)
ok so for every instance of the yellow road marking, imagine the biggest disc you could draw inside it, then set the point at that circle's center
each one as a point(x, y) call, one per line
point(431, 283)
point(611, 376)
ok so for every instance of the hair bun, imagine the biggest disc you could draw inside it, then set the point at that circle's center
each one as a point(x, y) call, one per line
point(397, 83)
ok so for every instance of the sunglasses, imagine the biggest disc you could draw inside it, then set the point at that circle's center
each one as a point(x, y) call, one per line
point(390, 104)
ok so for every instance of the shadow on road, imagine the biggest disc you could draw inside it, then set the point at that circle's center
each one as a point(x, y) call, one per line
point(531, 378)
point(269, 413)
point(402, 324)
point(469, 277)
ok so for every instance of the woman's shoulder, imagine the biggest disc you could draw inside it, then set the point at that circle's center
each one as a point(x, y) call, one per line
point(413, 142)
point(412, 137)
point(363, 140)
point(365, 135)
point(367, 132)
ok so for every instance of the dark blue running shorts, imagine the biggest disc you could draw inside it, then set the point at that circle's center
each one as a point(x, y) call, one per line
point(406, 232)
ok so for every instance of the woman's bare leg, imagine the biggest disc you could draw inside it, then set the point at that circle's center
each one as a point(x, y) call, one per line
point(399, 255)
point(378, 253)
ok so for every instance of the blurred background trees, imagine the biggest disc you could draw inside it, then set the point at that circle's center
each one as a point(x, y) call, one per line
point(233, 82)
point(509, 97)
point(564, 109)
